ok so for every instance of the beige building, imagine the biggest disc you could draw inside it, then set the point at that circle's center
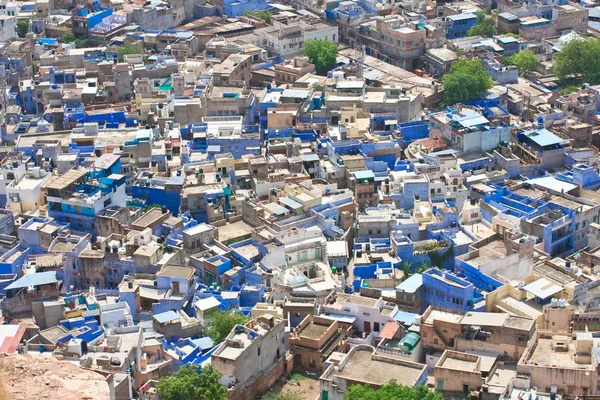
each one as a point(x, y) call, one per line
point(362, 366)
point(251, 357)
point(291, 70)
point(458, 372)
point(315, 339)
point(566, 363)
point(498, 333)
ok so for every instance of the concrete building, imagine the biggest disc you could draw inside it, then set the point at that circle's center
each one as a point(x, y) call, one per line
point(78, 196)
point(440, 60)
point(362, 366)
point(291, 70)
point(540, 147)
point(458, 25)
point(7, 28)
point(468, 130)
point(367, 315)
point(458, 372)
point(235, 68)
point(498, 333)
point(251, 357)
point(443, 289)
point(393, 39)
point(288, 40)
point(561, 363)
point(314, 340)
point(26, 193)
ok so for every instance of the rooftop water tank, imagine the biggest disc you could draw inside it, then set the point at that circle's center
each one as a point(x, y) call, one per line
point(562, 303)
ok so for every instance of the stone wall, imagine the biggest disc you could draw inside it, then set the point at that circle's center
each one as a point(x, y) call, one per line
point(261, 383)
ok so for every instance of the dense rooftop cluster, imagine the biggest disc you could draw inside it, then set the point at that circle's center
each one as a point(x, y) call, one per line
point(295, 198)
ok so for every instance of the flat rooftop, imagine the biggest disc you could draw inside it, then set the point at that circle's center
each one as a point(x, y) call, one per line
point(452, 362)
point(233, 353)
point(361, 367)
point(443, 316)
point(233, 230)
point(313, 331)
point(544, 354)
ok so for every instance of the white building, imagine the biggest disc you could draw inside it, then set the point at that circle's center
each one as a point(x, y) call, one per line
point(288, 40)
point(9, 8)
point(26, 194)
point(370, 315)
point(8, 26)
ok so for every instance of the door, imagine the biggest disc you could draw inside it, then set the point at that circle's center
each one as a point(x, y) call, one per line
point(465, 388)
point(175, 287)
point(440, 385)
point(367, 327)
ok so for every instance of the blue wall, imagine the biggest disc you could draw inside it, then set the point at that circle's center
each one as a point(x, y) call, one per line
point(157, 195)
point(236, 8)
point(441, 293)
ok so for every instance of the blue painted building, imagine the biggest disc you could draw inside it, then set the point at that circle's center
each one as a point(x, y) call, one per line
point(552, 223)
point(236, 8)
point(78, 196)
point(581, 174)
point(411, 131)
point(154, 189)
point(459, 25)
point(443, 289)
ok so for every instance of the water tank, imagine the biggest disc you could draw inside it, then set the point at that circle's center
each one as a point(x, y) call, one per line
point(521, 285)
point(338, 76)
point(554, 303)
point(417, 320)
point(562, 303)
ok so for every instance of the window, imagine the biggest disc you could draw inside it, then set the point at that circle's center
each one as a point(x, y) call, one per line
point(259, 351)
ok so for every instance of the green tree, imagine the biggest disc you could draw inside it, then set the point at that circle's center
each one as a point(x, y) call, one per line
point(468, 80)
point(322, 53)
point(149, 207)
point(568, 89)
point(485, 26)
point(188, 384)
point(391, 390)
point(68, 37)
point(262, 14)
point(82, 42)
point(22, 28)
point(525, 61)
point(220, 323)
point(579, 59)
point(513, 35)
point(130, 48)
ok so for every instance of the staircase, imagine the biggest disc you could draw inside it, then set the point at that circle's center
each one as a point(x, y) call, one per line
point(128, 320)
point(439, 334)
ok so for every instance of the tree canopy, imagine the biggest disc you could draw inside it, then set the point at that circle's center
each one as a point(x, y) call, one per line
point(22, 28)
point(130, 48)
point(262, 14)
point(485, 26)
point(524, 60)
point(188, 384)
point(579, 59)
point(68, 37)
point(391, 390)
point(468, 80)
point(322, 53)
point(220, 323)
